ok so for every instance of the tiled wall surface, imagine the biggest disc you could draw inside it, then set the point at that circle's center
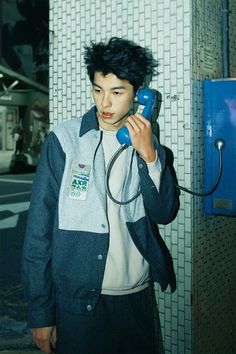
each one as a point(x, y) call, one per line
point(181, 33)
point(164, 26)
point(173, 49)
point(214, 243)
point(232, 37)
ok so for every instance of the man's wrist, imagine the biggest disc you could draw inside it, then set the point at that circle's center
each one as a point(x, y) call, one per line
point(149, 156)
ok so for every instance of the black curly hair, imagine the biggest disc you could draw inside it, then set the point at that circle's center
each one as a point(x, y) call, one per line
point(121, 57)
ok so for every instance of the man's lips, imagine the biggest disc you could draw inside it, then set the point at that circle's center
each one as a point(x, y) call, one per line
point(107, 115)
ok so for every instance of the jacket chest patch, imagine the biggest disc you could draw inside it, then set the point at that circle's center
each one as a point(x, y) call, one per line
point(79, 181)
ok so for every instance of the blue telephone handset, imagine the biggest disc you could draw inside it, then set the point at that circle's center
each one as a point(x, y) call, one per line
point(147, 98)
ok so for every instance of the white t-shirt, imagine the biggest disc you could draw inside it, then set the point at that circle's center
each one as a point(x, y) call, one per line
point(126, 270)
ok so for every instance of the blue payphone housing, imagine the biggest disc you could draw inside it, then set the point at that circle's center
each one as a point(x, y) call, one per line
point(220, 123)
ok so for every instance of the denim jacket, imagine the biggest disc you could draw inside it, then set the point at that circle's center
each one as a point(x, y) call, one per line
point(67, 233)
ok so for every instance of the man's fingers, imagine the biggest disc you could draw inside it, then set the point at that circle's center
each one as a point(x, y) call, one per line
point(45, 346)
point(43, 338)
point(141, 118)
point(134, 123)
point(54, 338)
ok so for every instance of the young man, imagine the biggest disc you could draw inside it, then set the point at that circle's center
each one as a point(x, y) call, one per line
point(88, 262)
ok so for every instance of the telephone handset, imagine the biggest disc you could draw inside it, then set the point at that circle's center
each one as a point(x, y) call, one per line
point(147, 98)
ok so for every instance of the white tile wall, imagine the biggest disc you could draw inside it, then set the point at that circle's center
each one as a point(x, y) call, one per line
point(179, 32)
point(214, 261)
point(164, 26)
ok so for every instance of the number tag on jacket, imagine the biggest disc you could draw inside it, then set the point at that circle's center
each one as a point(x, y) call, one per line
point(79, 180)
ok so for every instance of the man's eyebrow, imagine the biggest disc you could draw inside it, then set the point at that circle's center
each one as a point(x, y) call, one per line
point(118, 88)
point(112, 88)
point(94, 84)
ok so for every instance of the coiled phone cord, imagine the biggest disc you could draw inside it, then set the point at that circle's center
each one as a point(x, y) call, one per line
point(219, 144)
point(108, 172)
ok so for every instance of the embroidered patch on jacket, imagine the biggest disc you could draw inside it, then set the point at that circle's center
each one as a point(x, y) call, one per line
point(79, 180)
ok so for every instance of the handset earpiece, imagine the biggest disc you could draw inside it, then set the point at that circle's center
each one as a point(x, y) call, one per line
point(147, 98)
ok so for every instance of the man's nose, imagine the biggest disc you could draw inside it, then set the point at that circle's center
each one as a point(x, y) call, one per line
point(106, 101)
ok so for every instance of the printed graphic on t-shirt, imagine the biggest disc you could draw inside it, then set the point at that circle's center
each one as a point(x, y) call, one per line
point(79, 180)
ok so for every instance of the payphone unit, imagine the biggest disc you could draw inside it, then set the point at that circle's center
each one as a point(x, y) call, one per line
point(220, 123)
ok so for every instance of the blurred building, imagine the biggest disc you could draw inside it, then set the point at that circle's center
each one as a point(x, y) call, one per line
point(23, 73)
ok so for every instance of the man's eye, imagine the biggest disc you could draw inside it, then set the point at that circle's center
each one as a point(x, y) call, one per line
point(96, 90)
point(116, 93)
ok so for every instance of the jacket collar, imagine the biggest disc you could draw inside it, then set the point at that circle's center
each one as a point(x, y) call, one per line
point(89, 121)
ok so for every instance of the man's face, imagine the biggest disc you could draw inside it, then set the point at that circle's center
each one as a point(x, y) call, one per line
point(113, 98)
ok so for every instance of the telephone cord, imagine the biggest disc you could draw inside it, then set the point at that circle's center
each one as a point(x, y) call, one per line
point(108, 172)
point(219, 143)
point(213, 188)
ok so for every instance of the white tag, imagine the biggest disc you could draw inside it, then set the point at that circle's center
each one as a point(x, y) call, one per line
point(140, 109)
point(79, 180)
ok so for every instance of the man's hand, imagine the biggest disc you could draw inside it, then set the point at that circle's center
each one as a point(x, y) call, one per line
point(140, 131)
point(45, 338)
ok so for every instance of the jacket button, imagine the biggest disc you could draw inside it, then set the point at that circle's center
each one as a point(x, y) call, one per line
point(89, 307)
point(99, 257)
point(103, 226)
point(140, 165)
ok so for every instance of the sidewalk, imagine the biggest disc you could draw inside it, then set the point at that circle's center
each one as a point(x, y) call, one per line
point(20, 351)
point(18, 346)
point(23, 351)
point(12, 345)
point(15, 337)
